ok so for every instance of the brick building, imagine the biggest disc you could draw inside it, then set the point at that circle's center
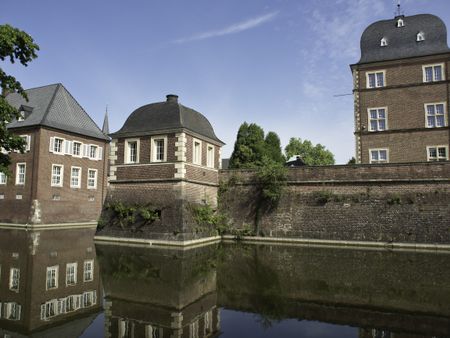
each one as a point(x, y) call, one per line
point(401, 91)
point(61, 177)
point(167, 156)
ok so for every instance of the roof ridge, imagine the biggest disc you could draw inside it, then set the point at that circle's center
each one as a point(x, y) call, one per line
point(43, 86)
point(50, 103)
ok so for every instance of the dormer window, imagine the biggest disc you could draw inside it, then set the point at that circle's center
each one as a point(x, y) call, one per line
point(384, 42)
point(400, 23)
point(21, 116)
point(420, 36)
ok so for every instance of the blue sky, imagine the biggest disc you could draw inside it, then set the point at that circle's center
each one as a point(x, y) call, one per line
point(277, 63)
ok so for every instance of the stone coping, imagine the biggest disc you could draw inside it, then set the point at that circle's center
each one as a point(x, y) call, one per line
point(56, 226)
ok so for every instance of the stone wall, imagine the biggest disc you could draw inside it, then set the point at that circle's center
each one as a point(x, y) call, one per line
point(408, 203)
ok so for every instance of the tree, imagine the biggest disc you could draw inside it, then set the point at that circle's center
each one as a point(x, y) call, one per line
point(273, 147)
point(15, 45)
point(249, 147)
point(309, 153)
point(352, 161)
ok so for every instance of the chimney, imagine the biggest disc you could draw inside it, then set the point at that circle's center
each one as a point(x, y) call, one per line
point(171, 98)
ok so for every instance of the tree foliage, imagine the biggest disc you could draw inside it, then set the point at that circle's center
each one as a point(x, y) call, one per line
point(309, 153)
point(15, 45)
point(249, 147)
point(273, 148)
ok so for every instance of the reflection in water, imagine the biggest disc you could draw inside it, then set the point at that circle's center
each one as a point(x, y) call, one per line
point(314, 292)
point(49, 282)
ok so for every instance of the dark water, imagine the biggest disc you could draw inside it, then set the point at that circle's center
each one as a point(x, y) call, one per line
point(226, 290)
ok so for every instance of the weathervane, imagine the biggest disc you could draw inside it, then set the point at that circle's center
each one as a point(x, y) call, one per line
point(399, 9)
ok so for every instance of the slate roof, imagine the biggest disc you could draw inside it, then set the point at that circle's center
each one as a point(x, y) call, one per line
point(402, 41)
point(53, 106)
point(159, 117)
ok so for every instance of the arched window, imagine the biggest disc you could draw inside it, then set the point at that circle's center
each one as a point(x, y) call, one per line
point(400, 23)
point(384, 42)
point(420, 36)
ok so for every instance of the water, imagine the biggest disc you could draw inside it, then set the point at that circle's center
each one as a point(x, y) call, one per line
point(226, 290)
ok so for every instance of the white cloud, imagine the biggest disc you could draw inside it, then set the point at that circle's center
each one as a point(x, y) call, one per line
point(233, 29)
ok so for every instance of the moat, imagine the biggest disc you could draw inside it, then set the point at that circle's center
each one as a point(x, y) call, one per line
point(59, 283)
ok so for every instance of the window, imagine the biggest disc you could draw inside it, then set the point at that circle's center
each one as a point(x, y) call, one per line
point(435, 115)
point(12, 311)
point(70, 303)
point(420, 37)
point(377, 119)
point(153, 331)
point(21, 116)
point(57, 175)
point(432, 73)
point(210, 156)
point(49, 309)
point(437, 153)
point(379, 155)
point(92, 179)
point(376, 79)
point(88, 274)
point(27, 139)
point(14, 279)
point(159, 149)
point(132, 151)
point(93, 152)
point(384, 42)
point(71, 273)
point(75, 177)
point(20, 173)
point(58, 145)
point(400, 23)
point(3, 178)
point(52, 278)
point(197, 152)
point(76, 149)
point(193, 329)
point(208, 327)
point(89, 298)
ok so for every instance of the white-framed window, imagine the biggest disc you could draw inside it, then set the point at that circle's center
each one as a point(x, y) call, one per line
point(379, 155)
point(433, 73)
point(376, 79)
point(159, 148)
point(75, 177)
point(435, 115)
point(21, 116)
point(70, 303)
point(132, 151)
point(89, 298)
point(384, 42)
point(420, 37)
point(93, 152)
point(3, 178)
point(88, 272)
point(208, 327)
point(152, 331)
point(377, 119)
point(437, 153)
point(76, 149)
point(400, 23)
point(27, 139)
point(92, 179)
point(21, 169)
point(49, 309)
point(57, 175)
point(210, 156)
point(52, 278)
point(196, 151)
point(193, 329)
point(12, 311)
point(57, 145)
point(14, 279)
point(71, 273)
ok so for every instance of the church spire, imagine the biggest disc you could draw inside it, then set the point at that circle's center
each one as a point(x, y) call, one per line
point(105, 128)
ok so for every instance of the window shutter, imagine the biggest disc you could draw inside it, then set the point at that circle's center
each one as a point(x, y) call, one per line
point(28, 143)
point(52, 144)
point(85, 150)
point(42, 311)
point(68, 148)
point(19, 311)
point(100, 153)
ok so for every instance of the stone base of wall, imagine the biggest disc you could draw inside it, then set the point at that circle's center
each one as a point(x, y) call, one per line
point(392, 203)
point(174, 200)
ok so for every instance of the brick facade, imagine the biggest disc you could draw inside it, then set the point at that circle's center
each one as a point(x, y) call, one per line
point(403, 96)
point(43, 203)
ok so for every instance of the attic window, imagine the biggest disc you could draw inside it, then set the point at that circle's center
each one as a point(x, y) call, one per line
point(384, 42)
point(400, 23)
point(420, 36)
point(21, 116)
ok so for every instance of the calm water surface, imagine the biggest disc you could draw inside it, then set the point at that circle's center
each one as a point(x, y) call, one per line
point(58, 283)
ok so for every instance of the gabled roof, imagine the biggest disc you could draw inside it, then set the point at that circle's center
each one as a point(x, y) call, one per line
point(163, 116)
point(53, 106)
point(402, 41)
